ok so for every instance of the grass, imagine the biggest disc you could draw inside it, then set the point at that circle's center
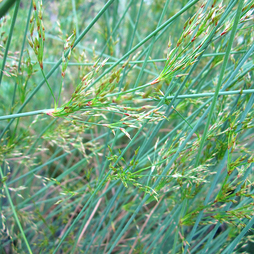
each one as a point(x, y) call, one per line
point(127, 126)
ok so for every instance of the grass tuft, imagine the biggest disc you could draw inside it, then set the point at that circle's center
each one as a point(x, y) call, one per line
point(126, 126)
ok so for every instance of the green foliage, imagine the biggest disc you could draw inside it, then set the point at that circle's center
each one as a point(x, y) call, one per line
point(141, 139)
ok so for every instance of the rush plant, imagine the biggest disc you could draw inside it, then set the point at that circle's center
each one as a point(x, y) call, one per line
point(127, 126)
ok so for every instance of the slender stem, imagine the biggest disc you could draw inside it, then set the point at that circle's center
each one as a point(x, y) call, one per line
point(22, 49)
point(4, 7)
point(189, 96)
point(9, 37)
point(55, 103)
point(142, 61)
point(31, 113)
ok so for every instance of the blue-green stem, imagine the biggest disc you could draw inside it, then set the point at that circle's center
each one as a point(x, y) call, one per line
point(9, 38)
point(142, 61)
point(22, 49)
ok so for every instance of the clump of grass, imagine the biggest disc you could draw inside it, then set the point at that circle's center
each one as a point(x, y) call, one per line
point(123, 151)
